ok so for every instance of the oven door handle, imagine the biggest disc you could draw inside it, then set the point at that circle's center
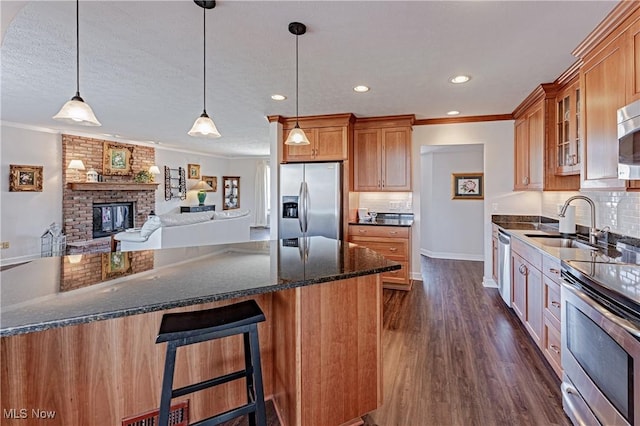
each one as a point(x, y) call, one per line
point(621, 322)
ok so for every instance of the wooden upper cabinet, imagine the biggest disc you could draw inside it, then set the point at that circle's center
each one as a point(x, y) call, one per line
point(367, 150)
point(566, 156)
point(382, 154)
point(633, 62)
point(329, 137)
point(603, 92)
point(396, 159)
point(529, 149)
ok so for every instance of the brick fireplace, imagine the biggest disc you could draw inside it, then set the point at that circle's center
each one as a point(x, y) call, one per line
point(77, 205)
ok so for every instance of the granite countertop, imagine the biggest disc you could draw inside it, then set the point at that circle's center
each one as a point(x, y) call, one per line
point(387, 219)
point(61, 291)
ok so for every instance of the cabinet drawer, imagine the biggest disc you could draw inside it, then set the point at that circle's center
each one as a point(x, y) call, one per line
point(399, 275)
point(379, 231)
point(552, 345)
point(531, 254)
point(551, 268)
point(391, 249)
point(552, 302)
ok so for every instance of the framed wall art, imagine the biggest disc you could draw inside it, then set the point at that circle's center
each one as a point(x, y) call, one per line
point(116, 264)
point(116, 159)
point(25, 178)
point(193, 171)
point(212, 181)
point(230, 192)
point(467, 186)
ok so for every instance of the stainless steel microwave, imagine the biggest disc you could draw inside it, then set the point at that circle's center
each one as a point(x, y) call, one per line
point(629, 141)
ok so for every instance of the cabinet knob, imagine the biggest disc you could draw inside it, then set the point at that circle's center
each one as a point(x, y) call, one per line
point(556, 304)
point(554, 270)
point(393, 249)
point(362, 231)
point(523, 269)
point(393, 232)
point(555, 349)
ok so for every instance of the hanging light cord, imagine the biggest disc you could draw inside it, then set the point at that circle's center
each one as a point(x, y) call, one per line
point(297, 115)
point(204, 61)
point(78, 48)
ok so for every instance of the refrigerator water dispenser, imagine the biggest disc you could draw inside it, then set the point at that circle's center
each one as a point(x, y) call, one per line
point(290, 207)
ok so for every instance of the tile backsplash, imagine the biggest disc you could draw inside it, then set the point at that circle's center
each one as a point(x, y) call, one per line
point(387, 202)
point(618, 210)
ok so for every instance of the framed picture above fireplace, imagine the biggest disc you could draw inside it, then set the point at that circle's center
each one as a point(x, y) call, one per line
point(116, 159)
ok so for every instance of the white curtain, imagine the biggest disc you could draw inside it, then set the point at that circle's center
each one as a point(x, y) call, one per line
point(261, 193)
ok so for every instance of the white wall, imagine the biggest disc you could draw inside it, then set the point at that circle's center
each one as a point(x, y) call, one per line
point(497, 139)
point(24, 216)
point(452, 229)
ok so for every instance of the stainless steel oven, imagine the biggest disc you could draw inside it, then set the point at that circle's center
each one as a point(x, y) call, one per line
point(600, 343)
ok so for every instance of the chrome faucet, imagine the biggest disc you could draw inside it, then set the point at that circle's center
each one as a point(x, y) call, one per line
point(593, 231)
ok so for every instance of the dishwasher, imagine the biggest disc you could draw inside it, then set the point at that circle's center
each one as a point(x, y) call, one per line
point(504, 266)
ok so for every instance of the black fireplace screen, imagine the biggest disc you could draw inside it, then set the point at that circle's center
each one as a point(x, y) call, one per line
point(111, 218)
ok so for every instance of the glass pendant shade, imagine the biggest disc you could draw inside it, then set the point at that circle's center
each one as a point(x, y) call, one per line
point(204, 127)
point(77, 111)
point(297, 137)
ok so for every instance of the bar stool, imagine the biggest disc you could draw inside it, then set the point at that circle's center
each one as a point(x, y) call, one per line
point(186, 328)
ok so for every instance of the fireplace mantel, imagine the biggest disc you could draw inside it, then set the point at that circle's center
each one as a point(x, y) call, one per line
point(112, 186)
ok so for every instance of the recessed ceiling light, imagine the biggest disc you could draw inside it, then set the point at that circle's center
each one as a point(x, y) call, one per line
point(278, 97)
point(458, 79)
point(361, 89)
point(453, 113)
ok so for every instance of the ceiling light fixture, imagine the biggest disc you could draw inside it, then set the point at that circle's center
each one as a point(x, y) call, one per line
point(76, 110)
point(204, 127)
point(296, 135)
point(278, 97)
point(453, 113)
point(459, 79)
point(361, 89)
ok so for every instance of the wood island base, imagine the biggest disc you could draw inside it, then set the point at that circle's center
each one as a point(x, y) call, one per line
point(320, 347)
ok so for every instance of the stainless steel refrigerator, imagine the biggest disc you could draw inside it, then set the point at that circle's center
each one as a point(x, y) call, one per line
point(310, 200)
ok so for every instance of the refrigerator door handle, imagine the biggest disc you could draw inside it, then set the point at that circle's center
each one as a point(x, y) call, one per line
point(307, 206)
point(302, 213)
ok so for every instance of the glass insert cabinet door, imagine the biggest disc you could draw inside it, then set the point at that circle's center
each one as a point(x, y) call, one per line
point(230, 192)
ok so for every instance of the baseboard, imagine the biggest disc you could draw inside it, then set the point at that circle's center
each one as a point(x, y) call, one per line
point(452, 256)
point(489, 282)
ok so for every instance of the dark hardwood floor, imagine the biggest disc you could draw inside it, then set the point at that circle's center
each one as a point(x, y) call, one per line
point(454, 354)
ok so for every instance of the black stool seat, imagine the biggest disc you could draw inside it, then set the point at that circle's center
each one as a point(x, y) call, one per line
point(188, 324)
point(186, 328)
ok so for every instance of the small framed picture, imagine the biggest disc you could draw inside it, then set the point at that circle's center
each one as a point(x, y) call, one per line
point(116, 159)
point(116, 264)
point(25, 178)
point(193, 171)
point(467, 186)
point(212, 181)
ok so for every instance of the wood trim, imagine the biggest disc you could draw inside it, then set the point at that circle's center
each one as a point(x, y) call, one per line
point(569, 74)
point(457, 120)
point(385, 121)
point(329, 120)
point(609, 24)
point(112, 186)
point(543, 91)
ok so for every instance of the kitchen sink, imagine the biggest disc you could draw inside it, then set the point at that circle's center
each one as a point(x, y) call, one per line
point(558, 241)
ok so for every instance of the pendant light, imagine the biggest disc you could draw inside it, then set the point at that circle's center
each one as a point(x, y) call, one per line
point(296, 135)
point(204, 127)
point(77, 111)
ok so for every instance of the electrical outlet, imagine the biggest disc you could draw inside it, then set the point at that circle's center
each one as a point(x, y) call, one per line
point(4, 245)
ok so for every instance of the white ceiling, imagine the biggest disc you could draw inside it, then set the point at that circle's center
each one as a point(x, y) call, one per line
point(141, 61)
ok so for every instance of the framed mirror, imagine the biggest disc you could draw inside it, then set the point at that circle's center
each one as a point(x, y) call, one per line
point(230, 192)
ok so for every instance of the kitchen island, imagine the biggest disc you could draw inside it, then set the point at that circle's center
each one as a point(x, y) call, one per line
point(78, 333)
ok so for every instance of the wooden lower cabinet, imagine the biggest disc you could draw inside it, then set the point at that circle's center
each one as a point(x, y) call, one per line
point(527, 288)
point(320, 348)
point(394, 243)
point(551, 341)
